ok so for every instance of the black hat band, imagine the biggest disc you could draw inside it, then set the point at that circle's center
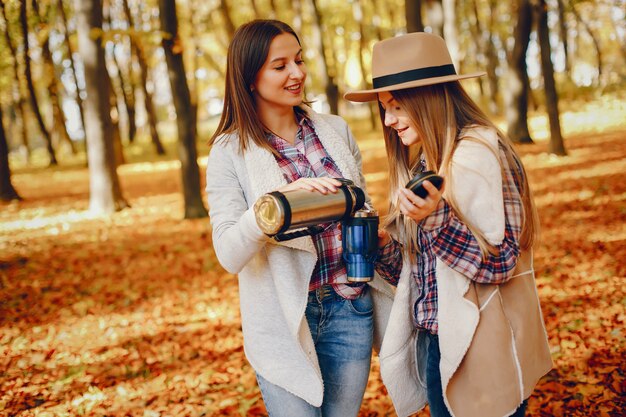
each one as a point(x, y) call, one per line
point(413, 75)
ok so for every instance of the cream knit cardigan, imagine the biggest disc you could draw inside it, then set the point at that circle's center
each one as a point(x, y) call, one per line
point(273, 277)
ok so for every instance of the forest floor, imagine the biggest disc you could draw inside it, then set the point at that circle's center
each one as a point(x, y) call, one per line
point(131, 314)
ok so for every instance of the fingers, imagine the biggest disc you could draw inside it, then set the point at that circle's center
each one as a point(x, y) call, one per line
point(383, 237)
point(322, 185)
point(418, 208)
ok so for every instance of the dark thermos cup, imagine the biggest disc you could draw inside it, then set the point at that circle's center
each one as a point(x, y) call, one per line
point(359, 238)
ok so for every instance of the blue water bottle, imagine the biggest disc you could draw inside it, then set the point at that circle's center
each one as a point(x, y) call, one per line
point(360, 244)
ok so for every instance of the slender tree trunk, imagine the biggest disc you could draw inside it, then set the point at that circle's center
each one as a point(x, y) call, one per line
point(125, 91)
point(118, 148)
point(138, 52)
point(552, 99)
point(332, 90)
point(594, 39)
point(563, 35)
point(195, 99)
point(128, 96)
point(70, 53)
point(194, 208)
point(359, 16)
point(492, 61)
point(105, 191)
point(227, 19)
point(59, 127)
point(18, 97)
point(413, 14)
point(31, 87)
point(450, 33)
point(7, 191)
point(517, 98)
point(479, 48)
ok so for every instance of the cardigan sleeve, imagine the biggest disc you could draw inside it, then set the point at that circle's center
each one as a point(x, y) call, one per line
point(478, 190)
point(236, 235)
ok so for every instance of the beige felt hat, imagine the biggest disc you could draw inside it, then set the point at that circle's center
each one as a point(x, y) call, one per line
point(407, 61)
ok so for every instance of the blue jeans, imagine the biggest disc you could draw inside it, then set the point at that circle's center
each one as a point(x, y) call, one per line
point(434, 391)
point(342, 331)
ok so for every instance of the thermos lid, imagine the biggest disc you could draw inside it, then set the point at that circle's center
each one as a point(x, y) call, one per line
point(269, 214)
point(366, 213)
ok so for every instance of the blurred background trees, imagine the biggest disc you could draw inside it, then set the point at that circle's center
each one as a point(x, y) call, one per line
point(107, 82)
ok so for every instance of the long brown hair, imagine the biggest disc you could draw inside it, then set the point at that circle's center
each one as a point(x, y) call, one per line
point(246, 55)
point(440, 113)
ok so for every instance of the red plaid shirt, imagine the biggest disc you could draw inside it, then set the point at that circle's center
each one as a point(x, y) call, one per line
point(307, 158)
point(442, 235)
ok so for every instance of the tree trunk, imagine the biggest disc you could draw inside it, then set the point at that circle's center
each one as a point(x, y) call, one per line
point(413, 14)
point(59, 127)
point(450, 32)
point(105, 192)
point(137, 50)
point(332, 90)
point(478, 44)
point(563, 35)
point(195, 98)
point(363, 47)
point(17, 95)
point(31, 87)
point(70, 52)
point(517, 99)
point(226, 17)
point(7, 191)
point(552, 100)
point(128, 96)
point(492, 61)
point(594, 39)
point(118, 148)
point(194, 208)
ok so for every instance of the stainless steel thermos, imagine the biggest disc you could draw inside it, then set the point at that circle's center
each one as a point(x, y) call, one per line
point(297, 213)
point(360, 244)
point(277, 213)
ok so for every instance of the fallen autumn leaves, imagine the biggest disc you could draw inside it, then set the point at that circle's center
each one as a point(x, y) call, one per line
point(131, 315)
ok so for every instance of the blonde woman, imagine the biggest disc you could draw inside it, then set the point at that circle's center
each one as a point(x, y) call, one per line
point(465, 332)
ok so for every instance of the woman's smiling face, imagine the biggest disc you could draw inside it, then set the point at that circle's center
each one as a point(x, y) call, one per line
point(397, 118)
point(280, 81)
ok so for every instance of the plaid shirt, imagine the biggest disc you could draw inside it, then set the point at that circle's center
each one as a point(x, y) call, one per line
point(442, 235)
point(307, 158)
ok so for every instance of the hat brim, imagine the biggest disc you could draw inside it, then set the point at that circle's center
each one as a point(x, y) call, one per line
point(363, 96)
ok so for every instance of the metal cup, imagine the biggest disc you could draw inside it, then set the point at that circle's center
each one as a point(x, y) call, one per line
point(359, 239)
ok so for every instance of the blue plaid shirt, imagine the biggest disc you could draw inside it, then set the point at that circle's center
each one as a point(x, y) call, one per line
point(442, 235)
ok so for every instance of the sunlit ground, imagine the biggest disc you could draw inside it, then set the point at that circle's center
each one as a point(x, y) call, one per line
point(131, 314)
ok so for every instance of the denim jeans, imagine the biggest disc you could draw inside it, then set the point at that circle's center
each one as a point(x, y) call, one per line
point(342, 331)
point(433, 383)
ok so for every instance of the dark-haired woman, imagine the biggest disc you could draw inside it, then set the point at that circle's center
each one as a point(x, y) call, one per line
point(307, 331)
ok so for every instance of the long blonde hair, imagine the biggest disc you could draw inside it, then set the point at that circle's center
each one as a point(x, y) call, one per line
point(440, 112)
